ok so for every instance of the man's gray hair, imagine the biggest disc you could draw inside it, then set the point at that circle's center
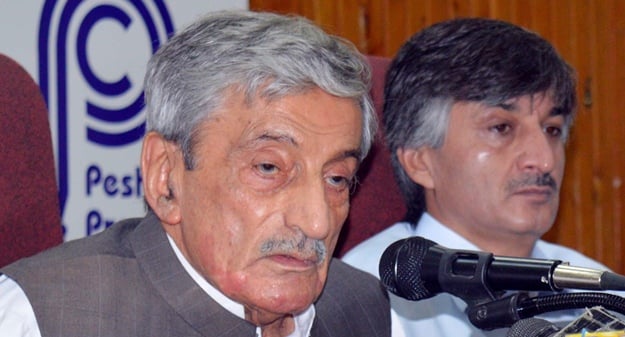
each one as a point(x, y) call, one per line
point(262, 55)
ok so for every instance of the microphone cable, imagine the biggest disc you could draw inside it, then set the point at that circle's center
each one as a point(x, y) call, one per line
point(504, 312)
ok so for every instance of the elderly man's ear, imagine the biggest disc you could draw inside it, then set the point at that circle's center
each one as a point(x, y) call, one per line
point(161, 166)
point(418, 165)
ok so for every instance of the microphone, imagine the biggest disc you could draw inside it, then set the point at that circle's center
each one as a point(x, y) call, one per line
point(417, 268)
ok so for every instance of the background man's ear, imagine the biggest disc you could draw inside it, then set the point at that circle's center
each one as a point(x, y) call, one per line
point(160, 162)
point(417, 164)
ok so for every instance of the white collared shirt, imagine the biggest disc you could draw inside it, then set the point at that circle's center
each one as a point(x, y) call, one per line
point(443, 315)
point(17, 317)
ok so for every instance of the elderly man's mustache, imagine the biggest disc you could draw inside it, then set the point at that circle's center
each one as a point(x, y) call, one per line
point(300, 246)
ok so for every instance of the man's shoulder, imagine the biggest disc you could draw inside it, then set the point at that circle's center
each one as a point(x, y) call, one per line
point(353, 302)
point(345, 281)
point(114, 241)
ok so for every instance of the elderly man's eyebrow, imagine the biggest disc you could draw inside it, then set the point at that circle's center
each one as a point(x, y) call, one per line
point(285, 138)
point(355, 153)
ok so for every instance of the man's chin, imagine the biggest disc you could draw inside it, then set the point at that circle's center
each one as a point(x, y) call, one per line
point(285, 294)
point(265, 310)
point(530, 228)
point(531, 218)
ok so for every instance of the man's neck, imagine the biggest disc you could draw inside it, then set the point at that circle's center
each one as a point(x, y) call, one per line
point(271, 327)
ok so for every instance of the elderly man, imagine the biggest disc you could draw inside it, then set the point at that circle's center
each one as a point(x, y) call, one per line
point(477, 114)
point(256, 125)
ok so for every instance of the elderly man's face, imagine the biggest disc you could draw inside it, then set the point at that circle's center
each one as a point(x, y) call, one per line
point(261, 212)
point(497, 176)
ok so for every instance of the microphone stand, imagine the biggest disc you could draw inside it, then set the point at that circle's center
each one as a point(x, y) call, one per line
point(504, 312)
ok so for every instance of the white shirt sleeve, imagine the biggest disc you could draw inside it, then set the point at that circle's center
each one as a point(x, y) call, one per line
point(17, 317)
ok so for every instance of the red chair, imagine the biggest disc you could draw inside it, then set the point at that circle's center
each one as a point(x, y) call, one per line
point(377, 202)
point(30, 218)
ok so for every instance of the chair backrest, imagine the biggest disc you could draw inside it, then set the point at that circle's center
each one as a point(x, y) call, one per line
point(377, 202)
point(30, 218)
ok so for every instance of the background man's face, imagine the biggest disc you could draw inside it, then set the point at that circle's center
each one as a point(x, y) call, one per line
point(498, 173)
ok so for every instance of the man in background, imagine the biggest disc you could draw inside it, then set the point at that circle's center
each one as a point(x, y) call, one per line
point(476, 114)
point(256, 125)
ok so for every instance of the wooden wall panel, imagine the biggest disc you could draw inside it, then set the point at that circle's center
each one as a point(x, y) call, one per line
point(590, 34)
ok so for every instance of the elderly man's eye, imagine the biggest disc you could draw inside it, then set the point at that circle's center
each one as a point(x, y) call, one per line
point(340, 181)
point(267, 168)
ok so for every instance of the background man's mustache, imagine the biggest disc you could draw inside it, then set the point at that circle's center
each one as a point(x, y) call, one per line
point(533, 180)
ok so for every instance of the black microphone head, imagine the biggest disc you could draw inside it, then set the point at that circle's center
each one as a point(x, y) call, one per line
point(532, 327)
point(401, 269)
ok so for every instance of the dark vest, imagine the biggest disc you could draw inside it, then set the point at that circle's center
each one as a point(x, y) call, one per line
point(127, 281)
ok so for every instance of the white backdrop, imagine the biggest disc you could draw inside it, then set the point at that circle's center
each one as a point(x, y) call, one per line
point(89, 59)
